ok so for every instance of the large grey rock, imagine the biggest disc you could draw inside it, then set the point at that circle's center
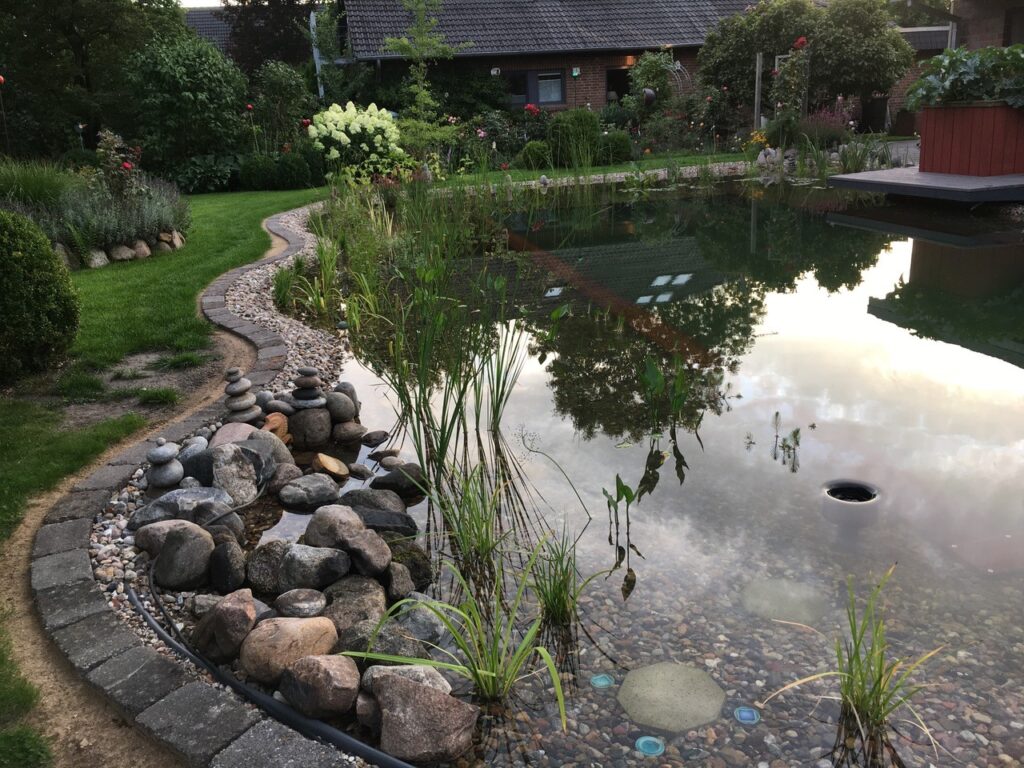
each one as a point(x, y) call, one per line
point(214, 514)
point(192, 446)
point(422, 725)
point(264, 566)
point(121, 253)
point(283, 475)
point(364, 636)
point(348, 432)
point(370, 554)
point(95, 258)
point(310, 428)
point(421, 622)
point(398, 582)
point(227, 567)
point(417, 673)
point(175, 504)
point(301, 603)
point(232, 433)
point(150, 538)
point(407, 552)
point(260, 454)
point(199, 464)
point(219, 634)
point(309, 492)
point(333, 526)
point(671, 697)
point(321, 686)
point(408, 481)
point(380, 510)
point(341, 407)
point(234, 473)
point(184, 558)
point(311, 567)
point(346, 388)
point(276, 644)
point(354, 599)
point(278, 449)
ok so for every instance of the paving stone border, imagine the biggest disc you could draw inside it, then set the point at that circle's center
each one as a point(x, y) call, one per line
point(199, 721)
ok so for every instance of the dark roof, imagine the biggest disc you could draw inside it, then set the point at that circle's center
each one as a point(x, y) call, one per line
point(926, 38)
point(509, 27)
point(208, 25)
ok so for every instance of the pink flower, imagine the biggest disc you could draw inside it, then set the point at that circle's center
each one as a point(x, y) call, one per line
point(2, 81)
point(800, 42)
point(481, 133)
point(708, 99)
point(249, 107)
point(305, 122)
point(775, 73)
point(532, 109)
point(127, 166)
point(504, 166)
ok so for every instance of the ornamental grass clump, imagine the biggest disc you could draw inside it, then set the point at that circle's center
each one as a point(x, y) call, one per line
point(873, 687)
point(359, 142)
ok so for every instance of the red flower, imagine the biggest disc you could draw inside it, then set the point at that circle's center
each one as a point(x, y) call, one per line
point(775, 73)
point(532, 109)
point(708, 99)
point(2, 81)
point(800, 42)
point(305, 122)
point(504, 166)
point(249, 107)
point(127, 166)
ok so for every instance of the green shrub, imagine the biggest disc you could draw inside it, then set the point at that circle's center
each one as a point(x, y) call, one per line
point(614, 147)
point(535, 156)
point(420, 139)
point(573, 136)
point(315, 162)
point(281, 101)
point(987, 74)
point(39, 311)
point(618, 114)
point(80, 158)
point(35, 183)
point(292, 172)
point(257, 172)
point(205, 173)
point(22, 747)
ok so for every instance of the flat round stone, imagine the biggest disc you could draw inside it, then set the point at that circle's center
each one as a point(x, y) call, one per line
point(308, 382)
point(308, 370)
point(239, 387)
point(306, 393)
point(241, 402)
point(671, 697)
point(165, 475)
point(233, 374)
point(301, 603)
point(785, 599)
point(320, 402)
point(161, 454)
point(280, 406)
point(250, 414)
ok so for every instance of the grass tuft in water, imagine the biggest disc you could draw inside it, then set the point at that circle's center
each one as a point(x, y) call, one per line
point(556, 580)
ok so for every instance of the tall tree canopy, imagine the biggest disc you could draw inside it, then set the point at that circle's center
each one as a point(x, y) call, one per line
point(265, 30)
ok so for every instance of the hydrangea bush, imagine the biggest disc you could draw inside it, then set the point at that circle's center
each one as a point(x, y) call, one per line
point(361, 142)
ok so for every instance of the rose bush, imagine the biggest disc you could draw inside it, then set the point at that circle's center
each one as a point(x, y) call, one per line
point(362, 142)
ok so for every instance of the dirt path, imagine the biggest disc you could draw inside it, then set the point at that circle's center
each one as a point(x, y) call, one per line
point(81, 726)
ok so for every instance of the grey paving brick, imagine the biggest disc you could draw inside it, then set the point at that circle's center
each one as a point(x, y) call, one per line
point(94, 639)
point(60, 569)
point(60, 606)
point(62, 537)
point(108, 477)
point(133, 456)
point(198, 721)
point(77, 504)
point(138, 678)
point(269, 744)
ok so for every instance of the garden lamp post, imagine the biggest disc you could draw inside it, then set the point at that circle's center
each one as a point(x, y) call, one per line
point(79, 128)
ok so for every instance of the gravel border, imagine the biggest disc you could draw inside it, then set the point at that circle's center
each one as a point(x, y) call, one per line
point(198, 720)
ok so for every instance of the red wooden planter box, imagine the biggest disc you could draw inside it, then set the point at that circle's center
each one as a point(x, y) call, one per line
point(982, 139)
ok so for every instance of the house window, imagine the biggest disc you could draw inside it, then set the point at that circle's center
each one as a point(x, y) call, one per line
point(1015, 27)
point(518, 88)
point(549, 88)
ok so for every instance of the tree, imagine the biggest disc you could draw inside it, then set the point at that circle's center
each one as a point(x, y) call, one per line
point(281, 101)
point(265, 30)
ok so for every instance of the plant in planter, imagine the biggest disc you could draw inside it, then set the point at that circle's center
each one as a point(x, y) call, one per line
point(973, 111)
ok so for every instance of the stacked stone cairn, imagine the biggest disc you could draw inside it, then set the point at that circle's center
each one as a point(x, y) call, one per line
point(165, 470)
point(241, 402)
point(281, 613)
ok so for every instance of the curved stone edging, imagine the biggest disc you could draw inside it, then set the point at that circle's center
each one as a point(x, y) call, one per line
point(205, 724)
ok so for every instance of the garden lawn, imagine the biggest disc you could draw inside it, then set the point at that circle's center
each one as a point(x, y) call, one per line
point(648, 163)
point(126, 308)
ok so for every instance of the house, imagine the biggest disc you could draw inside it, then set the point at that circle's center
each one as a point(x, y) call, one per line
point(553, 53)
point(982, 23)
point(209, 24)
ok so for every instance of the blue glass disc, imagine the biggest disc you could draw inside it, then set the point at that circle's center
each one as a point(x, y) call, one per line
point(602, 681)
point(747, 715)
point(651, 746)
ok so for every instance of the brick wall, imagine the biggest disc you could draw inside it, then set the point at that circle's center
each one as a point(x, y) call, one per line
point(898, 93)
point(985, 22)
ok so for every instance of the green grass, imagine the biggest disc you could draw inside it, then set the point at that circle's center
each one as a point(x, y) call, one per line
point(143, 306)
point(158, 396)
point(79, 386)
point(648, 163)
point(35, 182)
point(179, 361)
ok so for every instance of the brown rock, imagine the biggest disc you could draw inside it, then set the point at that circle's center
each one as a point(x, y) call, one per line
point(354, 599)
point(221, 630)
point(231, 433)
point(283, 475)
point(367, 711)
point(420, 724)
point(277, 643)
point(150, 538)
point(278, 424)
point(332, 466)
point(333, 525)
point(142, 250)
point(321, 686)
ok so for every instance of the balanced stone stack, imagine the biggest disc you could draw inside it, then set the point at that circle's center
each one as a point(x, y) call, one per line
point(241, 402)
point(165, 470)
point(308, 392)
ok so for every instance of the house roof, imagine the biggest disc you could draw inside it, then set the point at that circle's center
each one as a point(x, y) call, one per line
point(511, 27)
point(208, 24)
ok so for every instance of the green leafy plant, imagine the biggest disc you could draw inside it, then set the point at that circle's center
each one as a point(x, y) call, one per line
point(536, 155)
point(573, 136)
point(490, 651)
point(614, 147)
point(556, 580)
point(281, 100)
point(873, 685)
point(986, 74)
point(257, 172)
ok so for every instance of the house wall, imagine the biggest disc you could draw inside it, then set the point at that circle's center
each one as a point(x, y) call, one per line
point(989, 22)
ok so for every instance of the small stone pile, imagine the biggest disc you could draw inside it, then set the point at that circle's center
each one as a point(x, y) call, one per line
point(307, 392)
point(241, 402)
point(165, 470)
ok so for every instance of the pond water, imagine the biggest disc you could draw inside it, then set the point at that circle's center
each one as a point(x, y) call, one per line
point(819, 343)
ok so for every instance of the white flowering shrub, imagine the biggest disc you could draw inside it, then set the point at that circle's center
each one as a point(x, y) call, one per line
point(359, 142)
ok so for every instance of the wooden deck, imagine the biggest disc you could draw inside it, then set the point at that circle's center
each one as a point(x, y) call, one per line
point(911, 182)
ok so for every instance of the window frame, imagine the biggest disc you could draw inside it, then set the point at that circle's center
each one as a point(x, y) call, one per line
point(533, 87)
point(560, 73)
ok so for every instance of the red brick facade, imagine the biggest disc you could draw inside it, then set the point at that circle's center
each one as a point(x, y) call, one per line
point(989, 22)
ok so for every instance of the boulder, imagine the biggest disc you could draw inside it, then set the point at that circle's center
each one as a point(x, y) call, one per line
point(346, 388)
point(332, 526)
point(95, 259)
point(214, 514)
point(234, 473)
point(420, 724)
point(200, 604)
point(347, 432)
point(283, 475)
point(367, 711)
point(391, 462)
point(278, 449)
point(370, 554)
point(354, 599)
point(261, 454)
point(360, 471)
point(121, 253)
point(413, 557)
point(363, 636)
point(341, 407)
point(417, 673)
point(199, 464)
point(310, 429)
point(177, 241)
point(408, 481)
point(232, 433)
point(398, 582)
point(264, 565)
point(279, 406)
point(308, 493)
point(311, 567)
point(301, 603)
point(176, 504)
point(219, 634)
point(227, 567)
point(150, 538)
point(321, 686)
point(374, 438)
point(161, 247)
point(420, 622)
point(184, 558)
point(277, 643)
point(65, 255)
point(141, 249)
point(192, 446)
point(380, 510)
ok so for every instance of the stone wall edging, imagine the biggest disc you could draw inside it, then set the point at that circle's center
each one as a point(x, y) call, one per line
point(204, 724)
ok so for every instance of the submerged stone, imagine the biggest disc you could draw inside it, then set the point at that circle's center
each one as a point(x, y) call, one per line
point(785, 599)
point(671, 697)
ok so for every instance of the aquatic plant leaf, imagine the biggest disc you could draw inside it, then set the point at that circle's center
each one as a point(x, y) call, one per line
point(619, 557)
point(628, 584)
